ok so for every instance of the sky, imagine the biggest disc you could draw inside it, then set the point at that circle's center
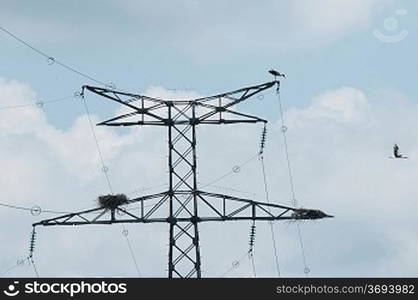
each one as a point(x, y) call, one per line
point(349, 94)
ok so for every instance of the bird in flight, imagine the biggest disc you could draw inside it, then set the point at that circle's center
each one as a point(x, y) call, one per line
point(396, 153)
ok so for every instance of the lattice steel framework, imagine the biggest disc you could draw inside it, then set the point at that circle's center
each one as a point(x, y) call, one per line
point(183, 206)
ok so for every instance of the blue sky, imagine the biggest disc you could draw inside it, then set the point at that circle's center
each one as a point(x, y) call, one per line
point(137, 46)
point(348, 96)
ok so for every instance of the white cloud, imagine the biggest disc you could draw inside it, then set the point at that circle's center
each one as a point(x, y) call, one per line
point(210, 27)
point(17, 94)
point(78, 142)
point(338, 148)
point(342, 105)
point(327, 20)
point(287, 24)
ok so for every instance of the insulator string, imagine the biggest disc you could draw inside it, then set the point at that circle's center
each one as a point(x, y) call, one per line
point(31, 251)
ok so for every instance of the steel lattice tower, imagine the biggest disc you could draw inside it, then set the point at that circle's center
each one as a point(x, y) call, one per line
point(183, 206)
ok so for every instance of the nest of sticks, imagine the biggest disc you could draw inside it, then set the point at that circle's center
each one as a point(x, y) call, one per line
point(112, 201)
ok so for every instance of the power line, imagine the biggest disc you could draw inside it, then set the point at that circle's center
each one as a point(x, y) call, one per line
point(32, 262)
point(17, 207)
point(266, 191)
point(260, 155)
point(40, 210)
point(38, 104)
point(230, 172)
point(31, 208)
point(105, 172)
point(289, 169)
point(251, 255)
point(99, 151)
point(235, 264)
point(273, 237)
point(51, 59)
point(306, 270)
point(286, 148)
point(225, 188)
point(140, 190)
point(19, 263)
point(9, 270)
point(125, 233)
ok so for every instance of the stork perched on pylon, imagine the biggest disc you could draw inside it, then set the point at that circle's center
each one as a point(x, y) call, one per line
point(276, 74)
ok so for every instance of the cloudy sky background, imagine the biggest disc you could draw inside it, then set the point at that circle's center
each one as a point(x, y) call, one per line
point(349, 95)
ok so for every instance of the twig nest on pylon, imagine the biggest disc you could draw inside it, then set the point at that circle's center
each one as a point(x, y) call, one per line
point(112, 201)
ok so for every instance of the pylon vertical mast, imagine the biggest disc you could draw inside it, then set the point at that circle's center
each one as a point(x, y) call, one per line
point(184, 252)
point(187, 205)
point(196, 213)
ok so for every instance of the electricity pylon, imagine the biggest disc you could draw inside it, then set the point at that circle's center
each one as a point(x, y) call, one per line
point(183, 206)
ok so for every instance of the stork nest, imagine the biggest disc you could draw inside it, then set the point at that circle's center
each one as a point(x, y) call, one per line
point(309, 214)
point(112, 201)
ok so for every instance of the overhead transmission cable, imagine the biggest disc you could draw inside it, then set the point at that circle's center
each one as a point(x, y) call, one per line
point(230, 172)
point(18, 263)
point(105, 172)
point(263, 168)
point(235, 264)
point(30, 208)
point(38, 210)
point(225, 188)
point(9, 270)
point(99, 151)
point(38, 104)
point(260, 155)
point(252, 232)
point(51, 60)
point(284, 128)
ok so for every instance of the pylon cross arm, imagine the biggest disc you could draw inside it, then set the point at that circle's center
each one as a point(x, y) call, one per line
point(212, 207)
point(148, 111)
